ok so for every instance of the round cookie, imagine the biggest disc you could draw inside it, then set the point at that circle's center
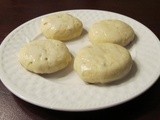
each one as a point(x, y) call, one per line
point(102, 63)
point(44, 56)
point(113, 31)
point(61, 26)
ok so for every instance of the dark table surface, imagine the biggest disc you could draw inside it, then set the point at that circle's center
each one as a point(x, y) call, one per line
point(15, 12)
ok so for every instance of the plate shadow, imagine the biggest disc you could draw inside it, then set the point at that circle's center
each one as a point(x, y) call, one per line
point(132, 43)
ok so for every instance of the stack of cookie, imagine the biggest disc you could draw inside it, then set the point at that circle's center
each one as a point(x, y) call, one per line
point(104, 61)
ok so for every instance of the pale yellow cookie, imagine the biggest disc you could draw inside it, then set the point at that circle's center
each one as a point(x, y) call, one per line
point(61, 26)
point(44, 56)
point(113, 31)
point(102, 63)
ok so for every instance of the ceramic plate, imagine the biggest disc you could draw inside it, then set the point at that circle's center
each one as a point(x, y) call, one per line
point(64, 90)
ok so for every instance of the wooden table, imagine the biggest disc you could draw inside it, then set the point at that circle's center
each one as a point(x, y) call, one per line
point(15, 12)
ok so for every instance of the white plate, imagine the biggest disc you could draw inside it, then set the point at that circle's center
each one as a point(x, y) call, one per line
point(64, 90)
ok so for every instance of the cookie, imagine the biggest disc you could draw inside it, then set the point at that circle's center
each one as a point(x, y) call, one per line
point(112, 31)
point(44, 56)
point(61, 26)
point(102, 63)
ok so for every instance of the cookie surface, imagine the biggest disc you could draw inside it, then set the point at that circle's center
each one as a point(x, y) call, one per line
point(61, 26)
point(113, 31)
point(102, 63)
point(44, 56)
